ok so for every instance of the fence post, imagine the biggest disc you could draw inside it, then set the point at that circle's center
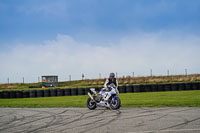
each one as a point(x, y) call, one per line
point(70, 77)
point(83, 76)
point(186, 71)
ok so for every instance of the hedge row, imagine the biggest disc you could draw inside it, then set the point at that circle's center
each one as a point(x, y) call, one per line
point(84, 91)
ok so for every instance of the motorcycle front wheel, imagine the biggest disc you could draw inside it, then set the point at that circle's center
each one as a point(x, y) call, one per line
point(115, 104)
point(91, 104)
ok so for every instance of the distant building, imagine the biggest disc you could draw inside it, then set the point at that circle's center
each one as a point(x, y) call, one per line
point(50, 81)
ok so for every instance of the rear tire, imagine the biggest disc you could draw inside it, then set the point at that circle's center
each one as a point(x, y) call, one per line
point(91, 104)
point(115, 105)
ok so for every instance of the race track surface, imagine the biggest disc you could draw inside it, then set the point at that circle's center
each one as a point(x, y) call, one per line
point(82, 120)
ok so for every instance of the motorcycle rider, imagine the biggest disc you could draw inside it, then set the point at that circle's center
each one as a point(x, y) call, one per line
point(111, 80)
point(108, 90)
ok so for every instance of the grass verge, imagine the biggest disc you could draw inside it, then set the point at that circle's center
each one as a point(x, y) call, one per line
point(149, 99)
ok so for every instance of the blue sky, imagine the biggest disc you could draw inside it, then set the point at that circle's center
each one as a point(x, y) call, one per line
point(103, 26)
point(35, 20)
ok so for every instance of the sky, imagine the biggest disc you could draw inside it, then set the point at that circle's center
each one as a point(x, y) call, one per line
point(71, 37)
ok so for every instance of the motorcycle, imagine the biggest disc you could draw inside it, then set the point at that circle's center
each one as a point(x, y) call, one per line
point(96, 99)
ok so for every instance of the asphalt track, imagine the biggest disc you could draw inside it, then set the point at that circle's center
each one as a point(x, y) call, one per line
point(82, 120)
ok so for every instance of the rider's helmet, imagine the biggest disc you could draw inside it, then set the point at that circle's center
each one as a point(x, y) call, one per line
point(112, 76)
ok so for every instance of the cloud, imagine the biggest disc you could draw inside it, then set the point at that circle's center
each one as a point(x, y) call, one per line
point(136, 53)
point(46, 8)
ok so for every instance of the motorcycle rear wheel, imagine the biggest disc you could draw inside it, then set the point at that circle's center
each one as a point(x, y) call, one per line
point(91, 104)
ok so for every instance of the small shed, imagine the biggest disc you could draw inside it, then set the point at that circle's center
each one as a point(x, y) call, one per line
point(50, 81)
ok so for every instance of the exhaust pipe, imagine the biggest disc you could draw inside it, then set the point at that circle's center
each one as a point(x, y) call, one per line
point(91, 97)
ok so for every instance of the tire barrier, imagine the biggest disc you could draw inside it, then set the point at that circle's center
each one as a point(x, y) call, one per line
point(199, 87)
point(13, 94)
point(122, 89)
point(195, 86)
point(19, 94)
point(46, 93)
point(5, 94)
point(98, 89)
point(67, 92)
point(26, 94)
point(74, 91)
point(84, 91)
point(154, 88)
point(81, 91)
point(136, 88)
point(53, 92)
point(1, 94)
point(174, 87)
point(87, 90)
point(188, 86)
point(129, 89)
point(181, 87)
point(60, 92)
point(147, 88)
point(142, 88)
point(167, 87)
point(40, 93)
point(161, 87)
point(33, 93)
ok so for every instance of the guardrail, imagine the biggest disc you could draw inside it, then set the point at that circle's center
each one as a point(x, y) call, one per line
point(83, 91)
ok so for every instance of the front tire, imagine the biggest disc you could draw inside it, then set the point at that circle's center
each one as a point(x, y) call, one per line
point(91, 104)
point(115, 105)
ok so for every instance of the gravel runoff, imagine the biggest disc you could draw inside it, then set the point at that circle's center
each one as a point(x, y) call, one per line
point(83, 120)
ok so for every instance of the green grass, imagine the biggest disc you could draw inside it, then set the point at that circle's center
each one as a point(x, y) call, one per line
point(160, 99)
point(149, 99)
point(18, 86)
point(64, 101)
